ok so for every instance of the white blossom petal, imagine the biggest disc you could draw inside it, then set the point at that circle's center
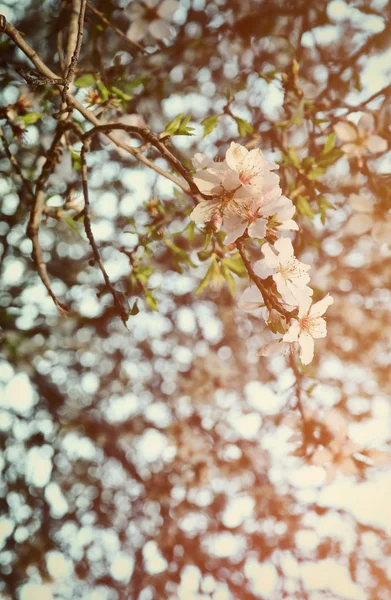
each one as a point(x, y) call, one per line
point(358, 224)
point(381, 232)
point(304, 306)
point(375, 143)
point(331, 473)
point(366, 125)
point(262, 269)
point(271, 258)
point(284, 248)
point(292, 335)
point(306, 342)
point(200, 161)
point(167, 8)
point(137, 30)
point(235, 155)
point(235, 227)
point(345, 131)
point(321, 457)
point(361, 203)
point(319, 308)
point(257, 229)
point(204, 212)
point(251, 299)
point(353, 149)
point(160, 29)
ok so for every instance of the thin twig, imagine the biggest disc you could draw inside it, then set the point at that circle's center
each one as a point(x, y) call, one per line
point(298, 380)
point(121, 34)
point(267, 295)
point(119, 304)
point(15, 164)
point(79, 38)
point(14, 34)
point(151, 138)
point(52, 158)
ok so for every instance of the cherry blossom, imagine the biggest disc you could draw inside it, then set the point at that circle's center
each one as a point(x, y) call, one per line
point(251, 166)
point(338, 454)
point(244, 191)
point(150, 17)
point(251, 299)
point(261, 213)
point(309, 326)
point(361, 139)
point(364, 219)
point(289, 274)
point(278, 347)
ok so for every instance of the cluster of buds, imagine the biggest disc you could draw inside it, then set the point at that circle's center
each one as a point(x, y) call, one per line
point(242, 196)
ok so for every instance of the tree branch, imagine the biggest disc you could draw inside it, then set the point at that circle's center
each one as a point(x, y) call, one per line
point(267, 295)
point(119, 302)
point(121, 34)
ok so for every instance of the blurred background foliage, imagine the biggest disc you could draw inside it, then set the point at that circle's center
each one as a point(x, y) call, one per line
point(167, 460)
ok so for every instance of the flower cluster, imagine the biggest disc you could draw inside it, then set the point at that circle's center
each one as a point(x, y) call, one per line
point(365, 219)
point(362, 139)
point(243, 197)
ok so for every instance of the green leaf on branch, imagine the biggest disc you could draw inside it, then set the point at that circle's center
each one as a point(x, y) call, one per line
point(103, 91)
point(244, 127)
point(235, 264)
point(326, 160)
point(205, 280)
point(228, 278)
point(151, 301)
point(178, 126)
point(76, 160)
point(293, 157)
point(304, 208)
point(30, 118)
point(315, 173)
point(324, 204)
point(329, 144)
point(121, 94)
point(134, 310)
point(85, 81)
point(209, 124)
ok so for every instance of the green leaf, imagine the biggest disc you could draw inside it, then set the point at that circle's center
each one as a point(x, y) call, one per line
point(72, 224)
point(151, 300)
point(235, 264)
point(209, 124)
point(244, 127)
point(134, 310)
point(329, 143)
point(315, 173)
point(75, 158)
point(228, 278)
point(209, 234)
point(30, 118)
point(276, 326)
point(103, 91)
point(178, 126)
point(204, 254)
point(304, 208)
point(190, 231)
point(311, 388)
point(324, 204)
point(330, 158)
point(205, 280)
point(117, 92)
point(293, 156)
point(85, 81)
point(172, 126)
